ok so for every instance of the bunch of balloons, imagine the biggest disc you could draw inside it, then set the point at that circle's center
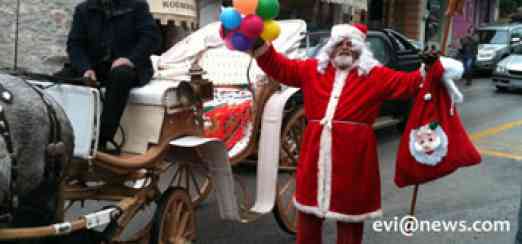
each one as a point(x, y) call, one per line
point(248, 22)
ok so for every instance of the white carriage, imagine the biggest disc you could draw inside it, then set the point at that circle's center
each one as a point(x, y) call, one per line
point(166, 128)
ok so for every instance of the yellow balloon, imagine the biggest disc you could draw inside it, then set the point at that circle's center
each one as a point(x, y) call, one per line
point(271, 30)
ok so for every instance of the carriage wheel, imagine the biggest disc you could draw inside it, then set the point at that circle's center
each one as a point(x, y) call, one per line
point(194, 177)
point(174, 220)
point(291, 136)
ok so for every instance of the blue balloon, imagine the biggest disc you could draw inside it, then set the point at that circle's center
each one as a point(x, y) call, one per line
point(241, 42)
point(230, 18)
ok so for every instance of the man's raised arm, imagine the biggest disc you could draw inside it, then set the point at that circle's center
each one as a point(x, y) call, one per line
point(287, 71)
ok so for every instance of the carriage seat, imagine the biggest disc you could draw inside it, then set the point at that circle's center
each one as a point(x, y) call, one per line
point(143, 117)
point(141, 124)
point(154, 93)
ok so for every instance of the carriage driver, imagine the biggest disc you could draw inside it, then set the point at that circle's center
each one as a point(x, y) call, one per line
point(111, 41)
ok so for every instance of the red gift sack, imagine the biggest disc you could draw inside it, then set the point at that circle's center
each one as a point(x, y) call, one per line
point(434, 143)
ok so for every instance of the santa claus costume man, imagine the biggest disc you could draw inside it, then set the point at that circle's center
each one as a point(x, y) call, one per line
point(344, 87)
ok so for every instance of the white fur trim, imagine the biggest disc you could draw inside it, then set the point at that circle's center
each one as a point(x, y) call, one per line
point(324, 163)
point(321, 174)
point(347, 31)
point(422, 71)
point(437, 155)
point(337, 216)
point(453, 70)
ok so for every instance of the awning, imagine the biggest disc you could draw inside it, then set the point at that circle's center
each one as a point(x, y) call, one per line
point(358, 4)
point(178, 11)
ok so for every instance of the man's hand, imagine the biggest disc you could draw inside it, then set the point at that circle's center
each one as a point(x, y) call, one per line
point(430, 55)
point(90, 74)
point(121, 61)
point(258, 48)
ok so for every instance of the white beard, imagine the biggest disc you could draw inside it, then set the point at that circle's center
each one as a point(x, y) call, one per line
point(343, 61)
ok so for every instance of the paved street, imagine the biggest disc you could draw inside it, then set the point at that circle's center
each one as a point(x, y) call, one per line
point(490, 191)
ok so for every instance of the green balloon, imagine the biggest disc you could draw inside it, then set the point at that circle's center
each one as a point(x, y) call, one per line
point(268, 9)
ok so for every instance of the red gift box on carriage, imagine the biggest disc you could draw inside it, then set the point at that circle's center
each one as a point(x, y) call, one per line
point(435, 143)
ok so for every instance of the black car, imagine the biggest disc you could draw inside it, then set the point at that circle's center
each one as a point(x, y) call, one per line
point(393, 50)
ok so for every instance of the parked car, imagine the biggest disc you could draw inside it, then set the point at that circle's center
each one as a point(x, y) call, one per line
point(508, 73)
point(393, 50)
point(495, 43)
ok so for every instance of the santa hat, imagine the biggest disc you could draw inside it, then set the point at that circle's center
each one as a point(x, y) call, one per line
point(356, 33)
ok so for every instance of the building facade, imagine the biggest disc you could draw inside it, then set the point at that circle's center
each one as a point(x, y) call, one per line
point(476, 13)
point(318, 14)
point(43, 27)
point(423, 20)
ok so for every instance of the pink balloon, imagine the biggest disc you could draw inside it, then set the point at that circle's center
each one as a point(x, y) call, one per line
point(251, 26)
point(222, 31)
point(228, 41)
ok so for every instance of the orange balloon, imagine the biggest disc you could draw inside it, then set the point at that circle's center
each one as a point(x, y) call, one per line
point(245, 7)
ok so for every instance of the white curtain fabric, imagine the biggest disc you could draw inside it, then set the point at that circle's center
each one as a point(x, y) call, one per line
point(223, 66)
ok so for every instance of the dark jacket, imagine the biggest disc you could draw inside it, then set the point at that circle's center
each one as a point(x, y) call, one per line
point(468, 46)
point(98, 36)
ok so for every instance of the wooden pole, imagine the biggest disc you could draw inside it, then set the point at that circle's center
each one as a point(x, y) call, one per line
point(447, 26)
point(444, 42)
point(414, 200)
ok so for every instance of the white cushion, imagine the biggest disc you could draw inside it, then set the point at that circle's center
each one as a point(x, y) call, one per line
point(82, 105)
point(152, 93)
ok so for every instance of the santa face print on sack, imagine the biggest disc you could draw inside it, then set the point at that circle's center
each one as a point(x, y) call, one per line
point(428, 144)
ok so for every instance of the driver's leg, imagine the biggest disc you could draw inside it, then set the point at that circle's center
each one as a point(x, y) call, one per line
point(118, 85)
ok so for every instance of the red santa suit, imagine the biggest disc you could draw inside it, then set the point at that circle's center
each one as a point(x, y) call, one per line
point(338, 172)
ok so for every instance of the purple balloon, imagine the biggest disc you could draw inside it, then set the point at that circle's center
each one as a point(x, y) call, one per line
point(241, 42)
point(228, 41)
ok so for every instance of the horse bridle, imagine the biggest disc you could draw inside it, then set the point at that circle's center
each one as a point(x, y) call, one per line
point(54, 152)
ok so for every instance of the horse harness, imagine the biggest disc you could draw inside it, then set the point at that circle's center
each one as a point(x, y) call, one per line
point(54, 152)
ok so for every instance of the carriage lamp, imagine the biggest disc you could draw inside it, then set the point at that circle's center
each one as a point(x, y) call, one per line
point(186, 94)
point(203, 88)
